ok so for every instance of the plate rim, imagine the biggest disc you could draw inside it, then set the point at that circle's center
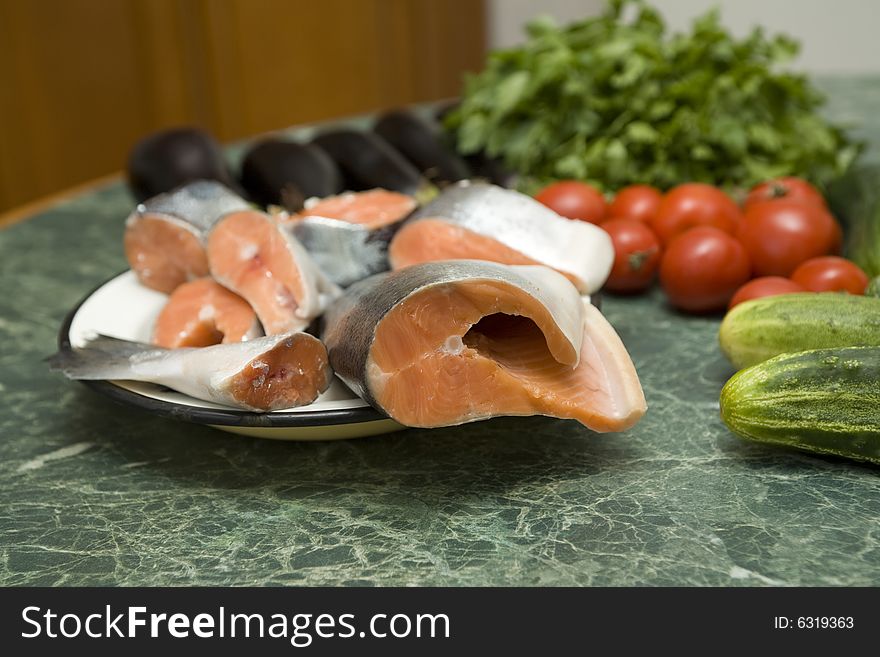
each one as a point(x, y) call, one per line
point(212, 416)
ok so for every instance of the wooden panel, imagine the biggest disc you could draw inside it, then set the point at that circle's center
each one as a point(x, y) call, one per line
point(441, 40)
point(276, 62)
point(83, 79)
point(167, 68)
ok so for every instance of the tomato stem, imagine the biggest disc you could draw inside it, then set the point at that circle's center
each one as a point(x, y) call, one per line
point(637, 259)
point(778, 190)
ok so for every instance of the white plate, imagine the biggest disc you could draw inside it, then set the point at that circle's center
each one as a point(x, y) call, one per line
point(123, 308)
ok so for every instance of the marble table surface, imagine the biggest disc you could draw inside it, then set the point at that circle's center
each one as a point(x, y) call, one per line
point(96, 493)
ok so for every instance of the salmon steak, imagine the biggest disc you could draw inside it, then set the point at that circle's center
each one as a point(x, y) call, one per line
point(348, 234)
point(263, 374)
point(485, 222)
point(165, 235)
point(258, 258)
point(375, 208)
point(203, 313)
point(444, 343)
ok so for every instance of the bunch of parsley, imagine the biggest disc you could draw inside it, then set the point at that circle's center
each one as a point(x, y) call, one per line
point(616, 101)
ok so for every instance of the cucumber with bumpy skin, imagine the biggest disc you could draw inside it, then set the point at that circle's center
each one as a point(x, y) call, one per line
point(762, 328)
point(824, 400)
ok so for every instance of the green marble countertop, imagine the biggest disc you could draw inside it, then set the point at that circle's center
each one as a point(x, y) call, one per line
point(96, 493)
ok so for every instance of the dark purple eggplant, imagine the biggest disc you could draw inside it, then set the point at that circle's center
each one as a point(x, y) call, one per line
point(165, 160)
point(491, 169)
point(481, 165)
point(285, 173)
point(368, 161)
point(421, 142)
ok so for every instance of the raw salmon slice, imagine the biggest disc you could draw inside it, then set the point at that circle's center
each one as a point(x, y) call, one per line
point(165, 236)
point(164, 251)
point(445, 343)
point(371, 209)
point(202, 313)
point(348, 235)
point(264, 374)
point(481, 221)
point(256, 257)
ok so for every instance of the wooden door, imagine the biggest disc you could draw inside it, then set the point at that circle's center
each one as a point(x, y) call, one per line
point(81, 80)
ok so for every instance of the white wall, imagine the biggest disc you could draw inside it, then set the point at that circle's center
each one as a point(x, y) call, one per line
point(837, 36)
point(507, 17)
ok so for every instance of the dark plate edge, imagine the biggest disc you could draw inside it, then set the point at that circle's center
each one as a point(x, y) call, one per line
point(220, 417)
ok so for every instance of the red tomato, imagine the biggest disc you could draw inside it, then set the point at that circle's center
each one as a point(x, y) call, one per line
point(766, 286)
point(702, 269)
point(575, 200)
point(639, 202)
point(831, 274)
point(636, 255)
point(794, 189)
point(779, 235)
point(694, 204)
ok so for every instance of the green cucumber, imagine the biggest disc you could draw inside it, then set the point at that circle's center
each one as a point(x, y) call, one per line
point(760, 329)
point(873, 289)
point(824, 400)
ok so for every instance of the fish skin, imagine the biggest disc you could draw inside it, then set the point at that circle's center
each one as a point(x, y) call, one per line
point(204, 372)
point(346, 252)
point(197, 205)
point(522, 223)
point(321, 290)
point(348, 328)
point(348, 234)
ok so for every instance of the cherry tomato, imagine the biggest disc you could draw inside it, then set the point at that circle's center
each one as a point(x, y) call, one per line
point(766, 286)
point(636, 255)
point(639, 202)
point(831, 274)
point(575, 200)
point(694, 204)
point(794, 189)
point(702, 269)
point(779, 235)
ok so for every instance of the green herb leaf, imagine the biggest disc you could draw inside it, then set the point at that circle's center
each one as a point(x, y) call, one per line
point(620, 101)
